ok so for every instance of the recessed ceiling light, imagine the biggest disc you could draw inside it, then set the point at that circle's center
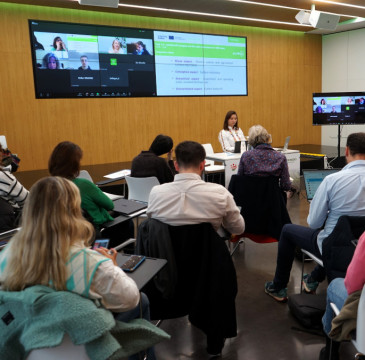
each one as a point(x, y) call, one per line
point(211, 15)
point(293, 8)
point(341, 4)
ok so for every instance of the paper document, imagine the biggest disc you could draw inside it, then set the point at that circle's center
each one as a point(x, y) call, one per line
point(118, 174)
point(113, 196)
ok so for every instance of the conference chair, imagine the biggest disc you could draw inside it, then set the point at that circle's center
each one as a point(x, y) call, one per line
point(337, 248)
point(263, 206)
point(358, 338)
point(139, 188)
point(199, 279)
point(210, 169)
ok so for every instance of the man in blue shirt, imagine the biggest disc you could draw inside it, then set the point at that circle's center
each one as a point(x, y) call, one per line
point(342, 193)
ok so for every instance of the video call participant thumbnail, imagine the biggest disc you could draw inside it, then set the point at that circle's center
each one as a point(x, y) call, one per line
point(84, 63)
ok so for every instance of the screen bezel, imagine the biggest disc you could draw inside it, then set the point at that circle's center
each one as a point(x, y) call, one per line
point(343, 118)
point(106, 27)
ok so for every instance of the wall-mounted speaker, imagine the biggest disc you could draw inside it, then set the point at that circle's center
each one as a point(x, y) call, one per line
point(103, 3)
point(303, 17)
point(323, 20)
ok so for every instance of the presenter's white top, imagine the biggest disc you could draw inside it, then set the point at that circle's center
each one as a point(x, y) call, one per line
point(227, 138)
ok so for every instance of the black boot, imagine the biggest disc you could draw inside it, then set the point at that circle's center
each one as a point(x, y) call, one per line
point(332, 347)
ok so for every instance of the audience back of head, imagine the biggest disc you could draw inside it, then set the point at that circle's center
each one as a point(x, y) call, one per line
point(257, 134)
point(51, 223)
point(189, 154)
point(65, 160)
point(161, 145)
point(356, 143)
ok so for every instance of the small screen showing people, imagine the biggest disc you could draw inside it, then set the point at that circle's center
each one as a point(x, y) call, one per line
point(337, 109)
point(114, 64)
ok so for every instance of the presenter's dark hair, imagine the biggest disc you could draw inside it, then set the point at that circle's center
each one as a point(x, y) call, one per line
point(65, 160)
point(189, 154)
point(228, 116)
point(161, 145)
point(356, 143)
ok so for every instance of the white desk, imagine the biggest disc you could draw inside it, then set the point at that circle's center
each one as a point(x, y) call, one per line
point(231, 162)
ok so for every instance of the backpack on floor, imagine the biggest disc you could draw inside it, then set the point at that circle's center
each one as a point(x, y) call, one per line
point(308, 309)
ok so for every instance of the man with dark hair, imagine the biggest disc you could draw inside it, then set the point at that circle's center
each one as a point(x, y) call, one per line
point(341, 193)
point(189, 200)
point(84, 63)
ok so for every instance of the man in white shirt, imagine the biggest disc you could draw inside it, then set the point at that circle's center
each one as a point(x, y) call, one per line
point(339, 194)
point(190, 200)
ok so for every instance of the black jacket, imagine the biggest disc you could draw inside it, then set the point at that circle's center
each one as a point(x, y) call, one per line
point(262, 202)
point(206, 282)
point(337, 248)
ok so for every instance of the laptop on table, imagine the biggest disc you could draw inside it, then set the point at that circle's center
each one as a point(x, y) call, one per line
point(314, 178)
point(286, 145)
point(127, 207)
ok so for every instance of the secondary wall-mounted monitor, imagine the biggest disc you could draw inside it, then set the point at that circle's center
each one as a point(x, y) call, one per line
point(340, 108)
point(79, 60)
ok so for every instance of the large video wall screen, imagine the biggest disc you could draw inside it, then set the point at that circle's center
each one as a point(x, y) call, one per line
point(79, 60)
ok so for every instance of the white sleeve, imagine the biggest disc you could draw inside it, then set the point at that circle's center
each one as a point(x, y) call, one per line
point(116, 290)
point(233, 220)
point(224, 137)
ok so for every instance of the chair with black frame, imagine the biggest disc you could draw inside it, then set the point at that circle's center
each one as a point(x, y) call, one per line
point(337, 248)
point(199, 279)
point(263, 206)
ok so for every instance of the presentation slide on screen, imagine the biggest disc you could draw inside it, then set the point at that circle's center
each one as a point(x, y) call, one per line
point(195, 64)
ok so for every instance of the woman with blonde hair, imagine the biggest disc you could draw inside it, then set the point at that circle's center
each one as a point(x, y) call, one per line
point(263, 160)
point(53, 244)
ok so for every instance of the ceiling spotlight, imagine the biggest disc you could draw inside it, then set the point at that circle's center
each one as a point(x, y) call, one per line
point(103, 3)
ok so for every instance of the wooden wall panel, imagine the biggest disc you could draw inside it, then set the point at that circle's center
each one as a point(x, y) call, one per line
point(284, 68)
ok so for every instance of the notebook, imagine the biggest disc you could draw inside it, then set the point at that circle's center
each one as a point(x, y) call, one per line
point(127, 207)
point(286, 144)
point(314, 178)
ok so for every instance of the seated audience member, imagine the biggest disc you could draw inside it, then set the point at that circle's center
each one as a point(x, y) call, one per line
point(13, 195)
point(339, 194)
point(339, 291)
point(231, 133)
point(53, 243)
point(189, 199)
point(51, 62)
point(263, 160)
point(149, 163)
point(65, 161)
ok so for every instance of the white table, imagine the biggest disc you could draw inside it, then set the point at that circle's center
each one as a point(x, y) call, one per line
point(231, 162)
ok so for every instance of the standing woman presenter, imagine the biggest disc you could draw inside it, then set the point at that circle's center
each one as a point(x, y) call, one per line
point(231, 133)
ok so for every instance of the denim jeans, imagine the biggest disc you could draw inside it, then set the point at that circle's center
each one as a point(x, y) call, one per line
point(337, 294)
point(290, 237)
point(135, 314)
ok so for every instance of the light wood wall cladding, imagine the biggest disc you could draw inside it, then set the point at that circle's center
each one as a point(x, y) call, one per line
point(284, 68)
